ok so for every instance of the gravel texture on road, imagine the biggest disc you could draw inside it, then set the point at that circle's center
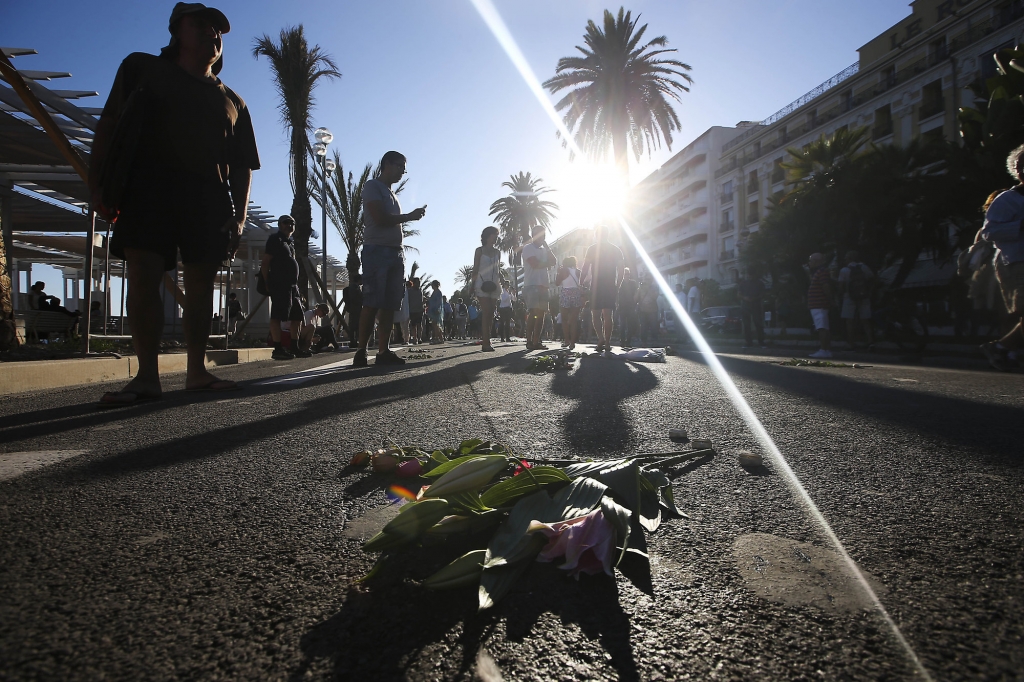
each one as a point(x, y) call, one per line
point(217, 536)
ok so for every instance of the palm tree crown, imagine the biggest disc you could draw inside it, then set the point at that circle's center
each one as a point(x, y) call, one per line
point(517, 214)
point(297, 68)
point(620, 90)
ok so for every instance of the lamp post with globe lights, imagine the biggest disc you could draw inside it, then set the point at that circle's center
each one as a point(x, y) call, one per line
point(323, 138)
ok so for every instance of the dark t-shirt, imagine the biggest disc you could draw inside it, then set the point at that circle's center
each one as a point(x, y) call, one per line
point(415, 301)
point(284, 269)
point(234, 308)
point(606, 259)
point(193, 126)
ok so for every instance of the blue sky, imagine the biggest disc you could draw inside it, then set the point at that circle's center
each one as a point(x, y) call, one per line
point(427, 78)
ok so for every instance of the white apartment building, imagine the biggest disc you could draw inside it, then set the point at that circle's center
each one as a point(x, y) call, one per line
point(694, 213)
point(908, 83)
point(675, 212)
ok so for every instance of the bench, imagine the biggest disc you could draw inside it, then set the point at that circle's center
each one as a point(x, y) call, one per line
point(45, 322)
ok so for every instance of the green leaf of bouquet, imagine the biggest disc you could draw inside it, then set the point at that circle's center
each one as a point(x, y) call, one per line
point(619, 517)
point(500, 494)
point(467, 446)
point(467, 501)
point(443, 469)
point(438, 457)
point(496, 582)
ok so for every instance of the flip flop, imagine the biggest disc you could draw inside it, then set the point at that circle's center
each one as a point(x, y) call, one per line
point(216, 386)
point(113, 399)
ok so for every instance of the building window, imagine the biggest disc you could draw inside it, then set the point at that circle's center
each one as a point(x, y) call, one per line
point(933, 136)
point(727, 192)
point(937, 50)
point(932, 101)
point(757, 149)
point(752, 182)
point(752, 213)
point(847, 100)
point(778, 172)
point(889, 76)
point(727, 221)
point(883, 123)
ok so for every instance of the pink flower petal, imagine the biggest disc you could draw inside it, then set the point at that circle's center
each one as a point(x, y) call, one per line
point(586, 542)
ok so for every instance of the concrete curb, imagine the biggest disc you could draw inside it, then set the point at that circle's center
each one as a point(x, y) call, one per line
point(37, 375)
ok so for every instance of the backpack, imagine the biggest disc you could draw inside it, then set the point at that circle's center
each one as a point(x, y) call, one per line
point(857, 286)
point(463, 311)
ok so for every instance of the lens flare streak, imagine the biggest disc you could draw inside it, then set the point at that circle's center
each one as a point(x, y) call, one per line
point(501, 33)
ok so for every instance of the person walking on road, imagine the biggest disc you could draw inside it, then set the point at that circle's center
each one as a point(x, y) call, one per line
point(437, 309)
point(1002, 227)
point(505, 303)
point(570, 300)
point(185, 187)
point(602, 268)
point(537, 258)
point(855, 284)
point(383, 258)
point(486, 278)
point(751, 291)
point(819, 297)
point(280, 271)
point(647, 302)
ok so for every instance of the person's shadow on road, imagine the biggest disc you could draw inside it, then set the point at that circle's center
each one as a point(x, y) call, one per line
point(599, 424)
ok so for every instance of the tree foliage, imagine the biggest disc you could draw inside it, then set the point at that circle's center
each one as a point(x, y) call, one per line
point(518, 213)
point(297, 69)
point(620, 89)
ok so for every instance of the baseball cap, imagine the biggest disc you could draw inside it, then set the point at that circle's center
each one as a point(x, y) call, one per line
point(286, 219)
point(183, 8)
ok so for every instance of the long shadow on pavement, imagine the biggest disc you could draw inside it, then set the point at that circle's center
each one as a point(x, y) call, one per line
point(996, 429)
point(597, 423)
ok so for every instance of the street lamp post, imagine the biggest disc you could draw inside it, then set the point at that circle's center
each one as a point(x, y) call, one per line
point(323, 138)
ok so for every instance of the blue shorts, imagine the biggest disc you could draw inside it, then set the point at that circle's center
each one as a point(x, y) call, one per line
point(383, 276)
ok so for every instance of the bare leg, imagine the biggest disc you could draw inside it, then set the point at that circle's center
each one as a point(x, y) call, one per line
point(595, 316)
point(196, 320)
point(486, 320)
point(607, 315)
point(146, 317)
point(1014, 337)
point(385, 321)
point(366, 317)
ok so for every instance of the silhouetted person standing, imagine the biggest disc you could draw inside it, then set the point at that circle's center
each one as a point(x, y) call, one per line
point(192, 159)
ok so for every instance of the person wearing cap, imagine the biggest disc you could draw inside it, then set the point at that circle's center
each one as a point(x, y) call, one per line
point(280, 271)
point(190, 150)
point(383, 259)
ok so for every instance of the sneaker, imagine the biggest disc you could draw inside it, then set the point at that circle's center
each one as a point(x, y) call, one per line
point(995, 355)
point(359, 359)
point(388, 358)
point(281, 354)
point(821, 354)
point(303, 354)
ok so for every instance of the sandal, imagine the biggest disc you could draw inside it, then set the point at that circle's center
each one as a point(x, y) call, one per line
point(113, 399)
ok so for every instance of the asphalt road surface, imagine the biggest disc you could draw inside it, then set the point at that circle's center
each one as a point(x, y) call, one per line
point(217, 536)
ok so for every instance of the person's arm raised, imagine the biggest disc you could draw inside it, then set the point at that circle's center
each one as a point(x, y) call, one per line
point(385, 219)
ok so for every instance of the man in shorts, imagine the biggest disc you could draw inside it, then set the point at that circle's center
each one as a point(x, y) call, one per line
point(855, 283)
point(537, 260)
point(281, 273)
point(383, 259)
point(187, 190)
point(602, 268)
point(1002, 227)
point(818, 298)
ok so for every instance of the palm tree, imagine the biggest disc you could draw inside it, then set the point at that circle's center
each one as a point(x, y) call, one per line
point(345, 203)
point(518, 213)
point(620, 91)
point(819, 160)
point(297, 68)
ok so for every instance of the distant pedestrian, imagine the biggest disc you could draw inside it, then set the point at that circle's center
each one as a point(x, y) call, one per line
point(626, 308)
point(461, 318)
point(1002, 227)
point(415, 311)
point(280, 271)
point(538, 259)
point(352, 297)
point(751, 291)
point(693, 299)
point(647, 302)
point(436, 311)
point(602, 269)
point(819, 296)
point(855, 283)
point(486, 280)
point(449, 318)
point(505, 303)
point(234, 312)
point(474, 318)
point(383, 258)
point(570, 300)
point(185, 180)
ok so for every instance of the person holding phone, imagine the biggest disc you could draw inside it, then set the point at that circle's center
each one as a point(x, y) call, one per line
point(538, 259)
point(383, 258)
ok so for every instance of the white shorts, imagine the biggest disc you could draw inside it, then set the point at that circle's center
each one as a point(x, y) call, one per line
point(820, 317)
point(852, 309)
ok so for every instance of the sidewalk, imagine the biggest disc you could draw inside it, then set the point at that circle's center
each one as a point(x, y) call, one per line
point(37, 375)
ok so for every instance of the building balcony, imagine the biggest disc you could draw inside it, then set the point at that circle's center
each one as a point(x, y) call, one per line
point(752, 219)
point(752, 188)
point(727, 255)
point(726, 197)
point(727, 226)
point(778, 176)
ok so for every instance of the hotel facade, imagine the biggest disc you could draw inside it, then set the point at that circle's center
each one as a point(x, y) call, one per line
point(695, 212)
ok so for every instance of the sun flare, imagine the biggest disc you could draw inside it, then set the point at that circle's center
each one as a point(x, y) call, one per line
point(587, 194)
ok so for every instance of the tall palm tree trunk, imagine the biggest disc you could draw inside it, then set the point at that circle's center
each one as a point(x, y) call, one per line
point(7, 327)
point(302, 210)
